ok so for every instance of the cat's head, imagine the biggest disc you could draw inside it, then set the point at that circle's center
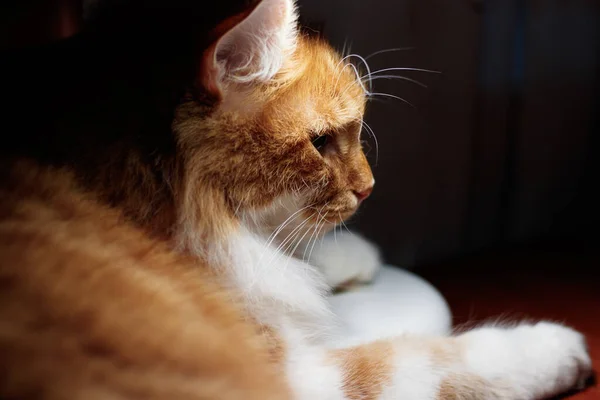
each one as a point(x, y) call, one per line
point(273, 129)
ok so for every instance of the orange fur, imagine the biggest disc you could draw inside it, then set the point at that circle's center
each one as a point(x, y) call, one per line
point(92, 308)
point(366, 368)
point(95, 303)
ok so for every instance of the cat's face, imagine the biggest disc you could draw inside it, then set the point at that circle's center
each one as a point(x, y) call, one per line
point(283, 143)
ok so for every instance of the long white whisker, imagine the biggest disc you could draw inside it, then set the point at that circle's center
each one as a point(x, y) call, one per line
point(404, 78)
point(290, 237)
point(403, 69)
point(321, 209)
point(287, 243)
point(358, 76)
point(388, 51)
point(273, 235)
point(360, 81)
point(305, 221)
point(393, 97)
point(285, 223)
point(291, 254)
point(294, 232)
point(364, 61)
point(335, 236)
point(309, 240)
point(315, 241)
point(342, 70)
point(345, 226)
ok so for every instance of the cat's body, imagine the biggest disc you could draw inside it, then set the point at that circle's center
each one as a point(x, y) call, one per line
point(144, 249)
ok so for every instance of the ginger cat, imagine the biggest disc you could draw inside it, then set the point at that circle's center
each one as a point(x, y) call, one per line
point(144, 216)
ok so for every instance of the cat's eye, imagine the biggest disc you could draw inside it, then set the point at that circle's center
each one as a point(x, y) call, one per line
point(320, 142)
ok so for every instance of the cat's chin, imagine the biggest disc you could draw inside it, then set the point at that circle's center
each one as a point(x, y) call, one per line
point(338, 216)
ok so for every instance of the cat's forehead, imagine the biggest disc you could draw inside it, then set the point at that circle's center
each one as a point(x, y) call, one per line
point(322, 86)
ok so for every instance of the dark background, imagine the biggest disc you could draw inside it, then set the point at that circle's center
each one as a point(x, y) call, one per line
point(502, 147)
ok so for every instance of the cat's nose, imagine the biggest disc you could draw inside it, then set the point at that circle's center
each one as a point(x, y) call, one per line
point(363, 194)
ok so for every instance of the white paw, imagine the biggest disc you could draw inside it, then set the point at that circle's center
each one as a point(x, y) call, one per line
point(530, 361)
point(566, 361)
point(346, 257)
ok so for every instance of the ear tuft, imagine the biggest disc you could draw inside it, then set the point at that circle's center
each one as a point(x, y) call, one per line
point(255, 48)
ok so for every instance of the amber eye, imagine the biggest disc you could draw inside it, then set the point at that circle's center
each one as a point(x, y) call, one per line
point(320, 142)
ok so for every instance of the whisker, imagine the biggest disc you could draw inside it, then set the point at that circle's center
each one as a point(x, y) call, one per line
point(321, 209)
point(388, 51)
point(283, 249)
point(372, 134)
point(286, 251)
point(345, 226)
point(289, 238)
point(315, 241)
point(403, 69)
point(364, 61)
point(404, 78)
point(309, 240)
point(285, 223)
point(291, 254)
point(293, 233)
point(337, 82)
point(360, 81)
point(393, 97)
point(358, 76)
point(273, 235)
point(344, 58)
point(335, 236)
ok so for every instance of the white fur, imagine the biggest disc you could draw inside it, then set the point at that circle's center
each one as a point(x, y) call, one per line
point(396, 302)
point(415, 377)
point(311, 374)
point(525, 362)
point(276, 286)
point(345, 257)
point(530, 361)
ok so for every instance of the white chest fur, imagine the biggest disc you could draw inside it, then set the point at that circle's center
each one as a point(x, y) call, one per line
point(277, 288)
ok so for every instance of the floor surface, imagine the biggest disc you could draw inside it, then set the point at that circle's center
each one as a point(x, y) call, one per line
point(555, 281)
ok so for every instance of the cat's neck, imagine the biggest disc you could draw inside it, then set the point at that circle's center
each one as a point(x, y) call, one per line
point(271, 283)
point(275, 285)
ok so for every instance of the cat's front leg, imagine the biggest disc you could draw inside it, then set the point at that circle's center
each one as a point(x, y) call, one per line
point(345, 258)
point(526, 362)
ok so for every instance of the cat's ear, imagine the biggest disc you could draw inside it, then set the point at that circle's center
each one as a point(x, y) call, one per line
point(251, 46)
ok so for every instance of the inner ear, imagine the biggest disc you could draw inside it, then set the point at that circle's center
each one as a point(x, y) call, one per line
point(250, 47)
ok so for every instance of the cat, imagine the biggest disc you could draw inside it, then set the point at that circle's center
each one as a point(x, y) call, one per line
point(144, 214)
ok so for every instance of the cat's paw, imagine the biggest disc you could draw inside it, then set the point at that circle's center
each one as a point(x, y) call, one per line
point(530, 361)
point(346, 258)
point(566, 355)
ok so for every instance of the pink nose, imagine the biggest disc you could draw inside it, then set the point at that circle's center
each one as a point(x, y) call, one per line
point(363, 194)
